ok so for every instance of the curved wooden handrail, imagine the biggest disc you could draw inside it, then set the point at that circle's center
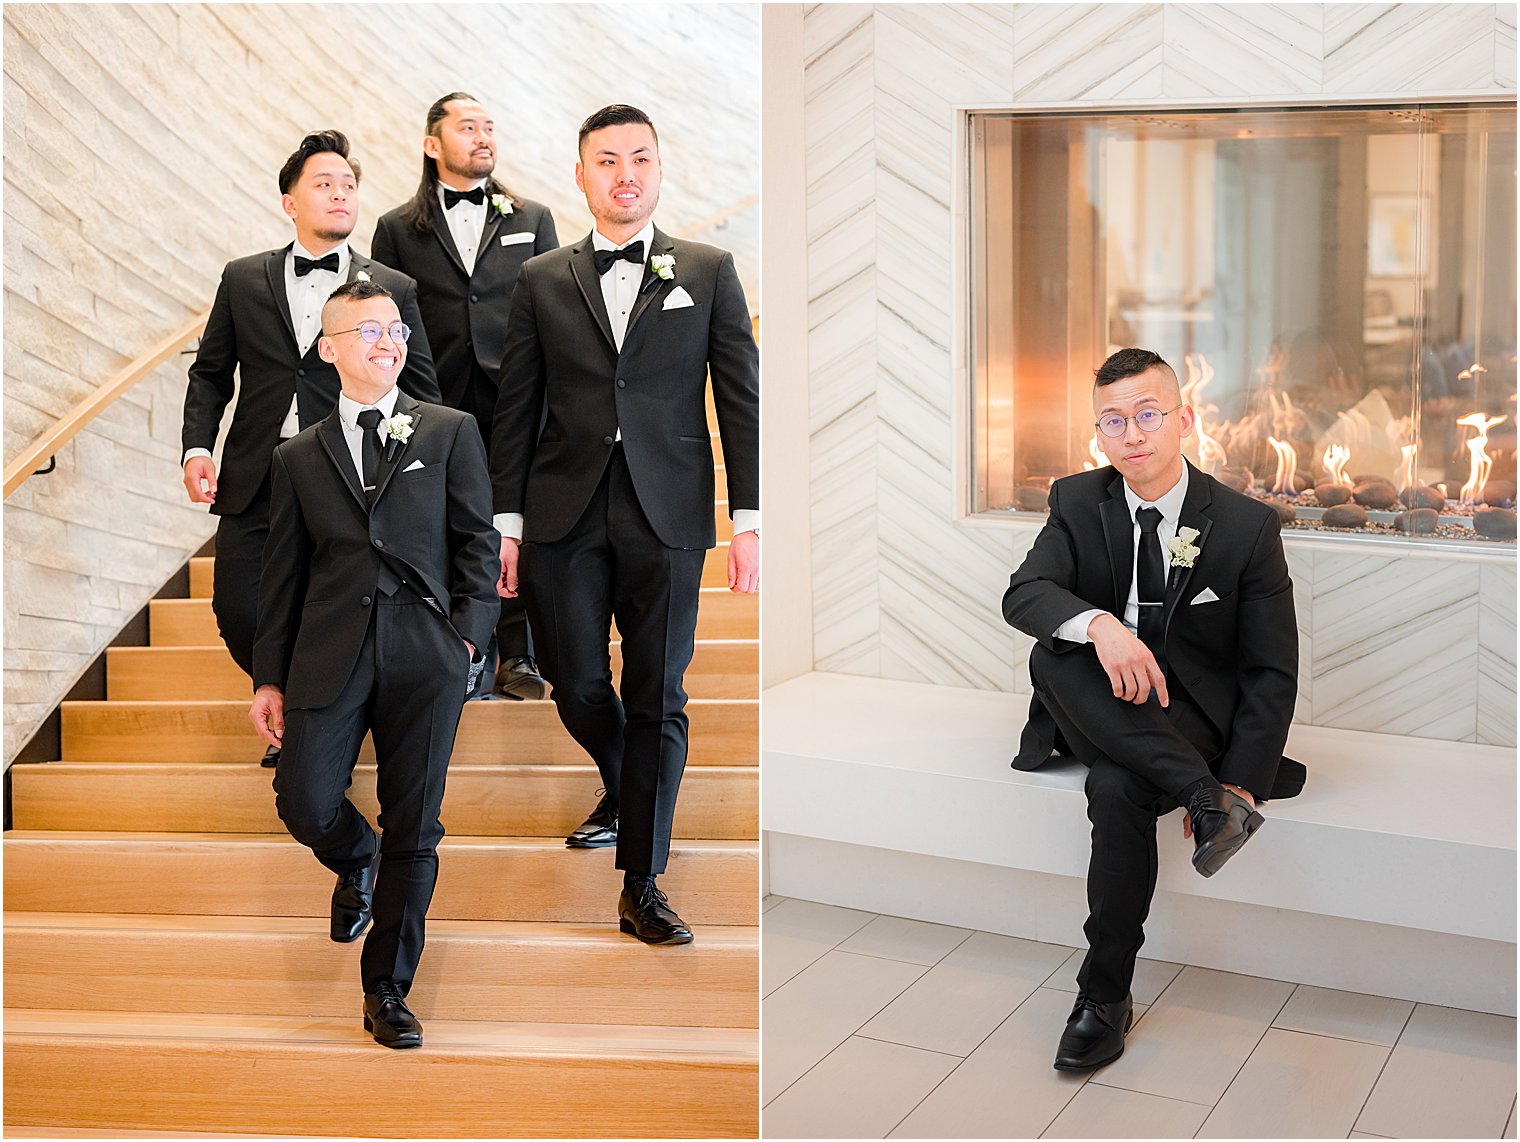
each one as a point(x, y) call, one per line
point(46, 445)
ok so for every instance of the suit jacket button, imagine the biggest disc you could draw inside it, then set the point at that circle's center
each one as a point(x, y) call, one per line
point(473, 297)
point(378, 542)
point(300, 372)
point(606, 440)
point(365, 601)
point(622, 384)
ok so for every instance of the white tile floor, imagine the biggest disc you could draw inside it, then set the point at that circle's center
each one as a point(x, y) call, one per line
point(878, 1027)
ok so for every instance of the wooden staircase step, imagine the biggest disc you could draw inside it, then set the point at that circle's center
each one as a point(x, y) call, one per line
point(723, 732)
point(714, 571)
point(480, 878)
point(189, 622)
point(472, 970)
point(720, 668)
point(716, 802)
point(289, 1074)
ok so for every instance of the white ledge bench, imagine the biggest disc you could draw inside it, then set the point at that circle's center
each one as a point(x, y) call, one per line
point(1393, 873)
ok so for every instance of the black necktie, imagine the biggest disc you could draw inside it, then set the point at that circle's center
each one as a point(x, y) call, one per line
point(633, 252)
point(452, 198)
point(1150, 585)
point(369, 449)
point(304, 266)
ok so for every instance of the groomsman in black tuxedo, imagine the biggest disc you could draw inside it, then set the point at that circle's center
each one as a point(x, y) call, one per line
point(263, 330)
point(1167, 662)
point(463, 236)
point(602, 468)
point(379, 583)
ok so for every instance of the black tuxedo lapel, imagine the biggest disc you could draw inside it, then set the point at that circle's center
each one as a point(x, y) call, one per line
point(390, 462)
point(330, 433)
point(1118, 531)
point(1198, 498)
point(446, 240)
point(488, 233)
point(275, 268)
point(358, 265)
point(649, 289)
point(583, 266)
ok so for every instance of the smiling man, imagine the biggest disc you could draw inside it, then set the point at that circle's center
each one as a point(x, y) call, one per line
point(261, 343)
point(1167, 663)
point(464, 236)
point(379, 583)
point(602, 469)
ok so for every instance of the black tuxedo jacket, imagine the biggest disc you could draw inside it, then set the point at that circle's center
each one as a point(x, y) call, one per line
point(250, 331)
point(1237, 657)
point(430, 526)
point(466, 314)
point(566, 391)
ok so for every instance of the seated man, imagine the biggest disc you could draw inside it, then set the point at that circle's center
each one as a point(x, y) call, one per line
point(1167, 663)
point(378, 591)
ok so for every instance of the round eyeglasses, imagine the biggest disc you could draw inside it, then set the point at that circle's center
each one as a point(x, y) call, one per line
point(370, 330)
point(1146, 420)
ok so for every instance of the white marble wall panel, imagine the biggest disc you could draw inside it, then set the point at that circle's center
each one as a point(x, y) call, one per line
point(1086, 51)
point(1408, 47)
point(1504, 46)
point(1496, 655)
point(1242, 49)
point(901, 589)
point(1396, 645)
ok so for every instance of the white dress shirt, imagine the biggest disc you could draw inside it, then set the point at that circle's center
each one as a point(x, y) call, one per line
point(1170, 506)
point(353, 431)
point(305, 296)
point(620, 290)
point(467, 222)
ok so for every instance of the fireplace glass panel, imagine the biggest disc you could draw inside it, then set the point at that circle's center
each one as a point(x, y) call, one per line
point(1335, 288)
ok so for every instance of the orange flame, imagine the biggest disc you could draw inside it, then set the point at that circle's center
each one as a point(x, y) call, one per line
point(1336, 458)
point(1287, 466)
point(1405, 475)
point(1211, 454)
point(1482, 463)
point(1098, 459)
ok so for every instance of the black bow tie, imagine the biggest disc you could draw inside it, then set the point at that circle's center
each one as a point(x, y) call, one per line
point(304, 266)
point(452, 198)
point(633, 252)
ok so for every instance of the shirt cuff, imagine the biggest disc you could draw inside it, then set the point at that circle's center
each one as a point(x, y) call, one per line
point(1074, 629)
point(746, 519)
point(509, 524)
point(193, 452)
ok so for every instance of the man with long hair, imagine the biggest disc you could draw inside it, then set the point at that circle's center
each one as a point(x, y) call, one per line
point(463, 236)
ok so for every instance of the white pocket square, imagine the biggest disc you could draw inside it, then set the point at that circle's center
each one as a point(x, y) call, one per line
point(413, 466)
point(678, 298)
point(1205, 596)
point(515, 239)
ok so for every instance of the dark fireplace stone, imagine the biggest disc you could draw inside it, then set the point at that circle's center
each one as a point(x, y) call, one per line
point(1494, 523)
point(1417, 521)
point(1331, 494)
point(1345, 515)
point(1378, 494)
point(1422, 496)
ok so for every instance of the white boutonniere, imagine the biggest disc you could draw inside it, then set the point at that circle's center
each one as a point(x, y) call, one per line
point(362, 276)
point(1182, 548)
point(663, 266)
point(502, 203)
point(398, 430)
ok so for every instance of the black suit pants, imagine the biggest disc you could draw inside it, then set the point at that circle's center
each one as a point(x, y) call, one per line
point(610, 566)
point(240, 543)
point(406, 690)
point(1139, 759)
point(513, 638)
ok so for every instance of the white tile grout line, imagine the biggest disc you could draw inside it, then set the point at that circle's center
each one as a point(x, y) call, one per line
point(832, 947)
point(1361, 1110)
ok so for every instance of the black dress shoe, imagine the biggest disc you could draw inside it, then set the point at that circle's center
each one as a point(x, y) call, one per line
point(1094, 1034)
point(644, 911)
point(598, 830)
point(519, 679)
point(271, 757)
point(389, 1019)
point(351, 901)
point(1222, 822)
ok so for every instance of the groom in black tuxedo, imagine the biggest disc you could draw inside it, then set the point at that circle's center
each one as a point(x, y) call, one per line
point(463, 236)
point(379, 584)
point(263, 330)
point(1167, 662)
point(602, 468)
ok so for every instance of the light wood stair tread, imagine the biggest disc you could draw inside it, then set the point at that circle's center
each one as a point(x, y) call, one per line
point(32, 836)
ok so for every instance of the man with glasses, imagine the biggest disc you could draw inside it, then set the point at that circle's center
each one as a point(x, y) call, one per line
point(379, 586)
point(1167, 663)
point(261, 343)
